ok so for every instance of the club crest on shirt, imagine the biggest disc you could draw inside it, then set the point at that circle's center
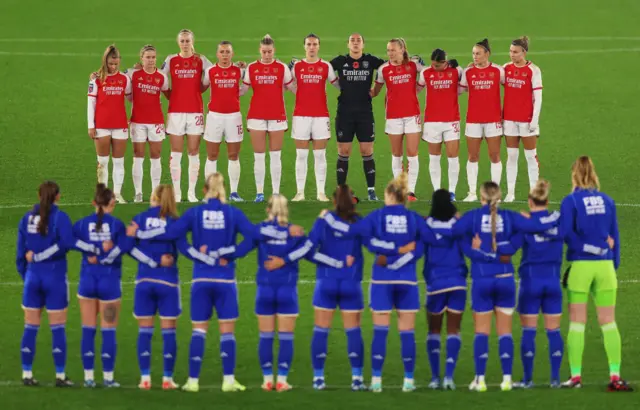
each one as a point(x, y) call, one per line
point(120, 82)
point(491, 75)
point(233, 74)
point(450, 74)
point(157, 81)
point(365, 64)
point(275, 70)
point(320, 70)
point(524, 74)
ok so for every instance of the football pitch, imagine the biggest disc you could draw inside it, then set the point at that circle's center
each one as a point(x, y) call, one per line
point(586, 50)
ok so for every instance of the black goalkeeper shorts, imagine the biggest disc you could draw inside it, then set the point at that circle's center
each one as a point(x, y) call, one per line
point(360, 124)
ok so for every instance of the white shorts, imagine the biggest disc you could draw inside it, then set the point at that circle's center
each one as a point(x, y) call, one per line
point(267, 125)
point(180, 123)
point(147, 132)
point(228, 126)
point(311, 128)
point(519, 129)
point(438, 132)
point(401, 126)
point(487, 130)
point(115, 133)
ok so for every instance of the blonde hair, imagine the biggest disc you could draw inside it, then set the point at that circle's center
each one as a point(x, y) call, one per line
point(214, 187)
point(164, 196)
point(267, 41)
point(278, 209)
point(398, 188)
point(193, 38)
point(583, 174)
point(403, 44)
point(521, 42)
point(490, 192)
point(145, 48)
point(110, 52)
point(539, 194)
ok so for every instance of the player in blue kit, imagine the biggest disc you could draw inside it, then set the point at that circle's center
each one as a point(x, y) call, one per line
point(45, 235)
point(338, 284)
point(540, 289)
point(494, 289)
point(157, 290)
point(214, 227)
point(100, 290)
point(277, 293)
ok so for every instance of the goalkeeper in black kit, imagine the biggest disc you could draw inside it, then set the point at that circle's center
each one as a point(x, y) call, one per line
point(355, 114)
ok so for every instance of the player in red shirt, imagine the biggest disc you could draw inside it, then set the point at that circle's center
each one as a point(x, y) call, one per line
point(484, 114)
point(107, 118)
point(311, 115)
point(185, 116)
point(442, 117)
point(267, 115)
point(147, 119)
point(402, 109)
point(522, 105)
point(224, 118)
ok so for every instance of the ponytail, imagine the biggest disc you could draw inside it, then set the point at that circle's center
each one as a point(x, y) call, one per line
point(278, 210)
point(484, 44)
point(110, 52)
point(583, 174)
point(163, 196)
point(398, 188)
point(48, 194)
point(214, 187)
point(102, 199)
point(345, 206)
point(267, 40)
point(490, 193)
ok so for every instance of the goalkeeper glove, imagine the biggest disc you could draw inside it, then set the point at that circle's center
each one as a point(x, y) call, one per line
point(293, 61)
point(417, 59)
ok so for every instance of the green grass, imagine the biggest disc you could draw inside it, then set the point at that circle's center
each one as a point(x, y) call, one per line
point(586, 50)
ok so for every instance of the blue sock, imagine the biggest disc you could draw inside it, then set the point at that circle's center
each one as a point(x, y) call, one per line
point(319, 347)
point(453, 349)
point(378, 349)
point(196, 352)
point(408, 347)
point(109, 349)
point(169, 351)
point(285, 355)
point(481, 353)
point(59, 347)
point(228, 353)
point(355, 349)
point(28, 346)
point(265, 352)
point(433, 352)
point(556, 352)
point(144, 350)
point(528, 352)
point(505, 349)
point(88, 347)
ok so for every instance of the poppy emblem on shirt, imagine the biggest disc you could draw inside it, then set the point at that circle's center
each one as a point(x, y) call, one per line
point(149, 79)
point(265, 70)
point(399, 69)
point(356, 65)
point(440, 75)
point(225, 74)
point(516, 73)
point(482, 75)
point(311, 69)
point(186, 64)
point(365, 64)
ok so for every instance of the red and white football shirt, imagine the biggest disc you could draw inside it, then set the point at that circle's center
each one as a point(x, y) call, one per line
point(441, 88)
point(520, 83)
point(311, 93)
point(402, 100)
point(186, 79)
point(225, 88)
point(268, 82)
point(147, 108)
point(484, 93)
point(110, 110)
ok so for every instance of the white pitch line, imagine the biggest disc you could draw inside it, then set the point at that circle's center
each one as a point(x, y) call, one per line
point(253, 56)
point(256, 39)
point(300, 282)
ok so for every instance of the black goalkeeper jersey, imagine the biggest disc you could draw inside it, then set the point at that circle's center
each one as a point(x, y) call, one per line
point(355, 78)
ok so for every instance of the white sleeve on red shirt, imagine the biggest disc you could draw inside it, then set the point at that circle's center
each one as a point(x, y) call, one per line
point(206, 64)
point(206, 81)
point(536, 77)
point(128, 89)
point(166, 66)
point(243, 89)
point(501, 69)
point(332, 77)
point(247, 77)
point(288, 77)
point(421, 81)
point(91, 103)
point(460, 71)
point(129, 72)
point(165, 83)
point(380, 76)
point(463, 79)
point(537, 106)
